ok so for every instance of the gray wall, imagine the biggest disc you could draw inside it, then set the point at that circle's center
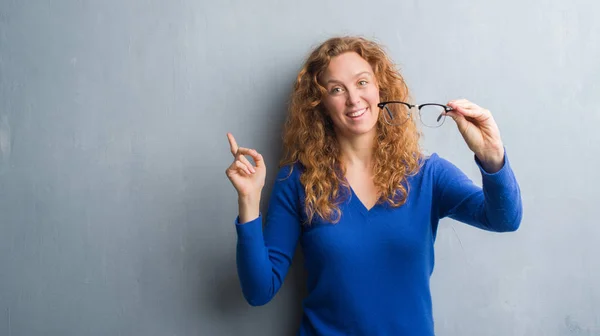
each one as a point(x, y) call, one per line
point(116, 216)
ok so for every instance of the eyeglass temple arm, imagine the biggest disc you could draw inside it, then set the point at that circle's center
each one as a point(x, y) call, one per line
point(447, 109)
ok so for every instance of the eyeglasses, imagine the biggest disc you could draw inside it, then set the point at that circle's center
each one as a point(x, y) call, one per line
point(397, 113)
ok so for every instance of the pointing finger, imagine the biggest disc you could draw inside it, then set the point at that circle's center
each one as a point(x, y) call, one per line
point(233, 146)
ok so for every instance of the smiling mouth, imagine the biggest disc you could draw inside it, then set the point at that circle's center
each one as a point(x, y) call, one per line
point(356, 114)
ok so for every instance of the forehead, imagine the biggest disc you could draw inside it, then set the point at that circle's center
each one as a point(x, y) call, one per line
point(346, 66)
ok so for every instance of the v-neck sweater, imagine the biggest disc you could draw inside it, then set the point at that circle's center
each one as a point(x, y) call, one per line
point(369, 274)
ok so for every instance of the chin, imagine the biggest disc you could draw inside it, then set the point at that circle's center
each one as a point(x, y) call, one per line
point(363, 130)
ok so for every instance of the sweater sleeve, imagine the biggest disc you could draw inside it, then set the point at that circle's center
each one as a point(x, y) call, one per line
point(496, 206)
point(264, 256)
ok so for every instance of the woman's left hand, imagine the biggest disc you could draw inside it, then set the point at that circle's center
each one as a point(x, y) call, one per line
point(480, 131)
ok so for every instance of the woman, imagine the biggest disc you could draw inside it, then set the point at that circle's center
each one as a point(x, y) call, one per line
point(356, 191)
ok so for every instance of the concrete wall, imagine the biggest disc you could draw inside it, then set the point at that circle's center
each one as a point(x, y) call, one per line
point(116, 217)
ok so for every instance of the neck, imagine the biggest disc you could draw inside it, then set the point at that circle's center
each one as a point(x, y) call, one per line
point(357, 152)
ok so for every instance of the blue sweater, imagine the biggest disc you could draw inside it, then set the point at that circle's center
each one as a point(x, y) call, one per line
point(369, 274)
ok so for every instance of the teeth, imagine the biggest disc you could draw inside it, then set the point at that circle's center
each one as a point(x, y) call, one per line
point(357, 113)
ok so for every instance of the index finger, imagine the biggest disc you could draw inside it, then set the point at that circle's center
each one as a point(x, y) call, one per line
point(233, 146)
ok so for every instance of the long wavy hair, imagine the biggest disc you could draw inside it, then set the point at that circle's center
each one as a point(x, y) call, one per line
point(309, 137)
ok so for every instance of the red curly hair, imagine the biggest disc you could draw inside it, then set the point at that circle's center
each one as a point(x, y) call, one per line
point(309, 137)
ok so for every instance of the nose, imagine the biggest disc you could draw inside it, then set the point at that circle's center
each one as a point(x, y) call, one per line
point(353, 97)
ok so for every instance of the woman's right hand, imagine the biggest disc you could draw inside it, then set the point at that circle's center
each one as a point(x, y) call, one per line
point(248, 180)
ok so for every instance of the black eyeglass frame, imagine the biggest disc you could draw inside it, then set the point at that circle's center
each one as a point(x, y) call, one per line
point(419, 107)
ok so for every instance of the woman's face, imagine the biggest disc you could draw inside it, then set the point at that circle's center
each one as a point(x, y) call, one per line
point(352, 95)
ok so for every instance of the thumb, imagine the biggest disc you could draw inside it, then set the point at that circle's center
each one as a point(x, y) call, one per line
point(460, 120)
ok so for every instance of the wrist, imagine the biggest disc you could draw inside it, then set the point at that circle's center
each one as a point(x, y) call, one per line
point(249, 207)
point(492, 162)
point(250, 199)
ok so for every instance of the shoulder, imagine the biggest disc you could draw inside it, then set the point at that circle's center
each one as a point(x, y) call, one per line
point(437, 162)
point(290, 171)
point(287, 187)
point(432, 167)
point(433, 162)
point(288, 176)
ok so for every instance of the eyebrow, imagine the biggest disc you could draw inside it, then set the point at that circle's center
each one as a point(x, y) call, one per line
point(357, 75)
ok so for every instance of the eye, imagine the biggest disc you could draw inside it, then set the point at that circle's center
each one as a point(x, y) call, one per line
point(362, 82)
point(336, 89)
